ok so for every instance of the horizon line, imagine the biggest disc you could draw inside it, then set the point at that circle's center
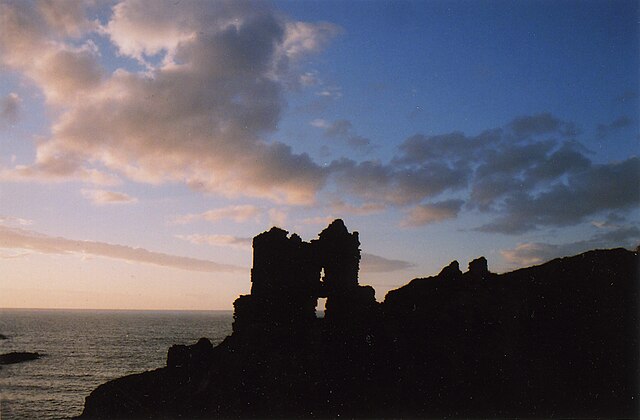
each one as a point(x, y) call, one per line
point(112, 309)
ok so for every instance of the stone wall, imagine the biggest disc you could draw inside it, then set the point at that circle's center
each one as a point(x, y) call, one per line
point(287, 280)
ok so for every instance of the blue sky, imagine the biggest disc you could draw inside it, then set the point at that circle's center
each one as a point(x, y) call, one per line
point(143, 144)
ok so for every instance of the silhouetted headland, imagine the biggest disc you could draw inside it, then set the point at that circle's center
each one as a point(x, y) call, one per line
point(556, 340)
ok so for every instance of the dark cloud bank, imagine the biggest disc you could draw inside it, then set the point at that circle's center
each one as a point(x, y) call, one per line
point(532, 173)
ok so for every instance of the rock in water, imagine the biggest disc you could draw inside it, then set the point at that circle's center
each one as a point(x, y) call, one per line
point(18, 357)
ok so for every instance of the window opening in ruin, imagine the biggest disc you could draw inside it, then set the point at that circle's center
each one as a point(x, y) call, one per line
point(320, 307)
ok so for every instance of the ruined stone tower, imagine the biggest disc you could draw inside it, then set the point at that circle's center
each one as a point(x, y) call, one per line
point(286, 281)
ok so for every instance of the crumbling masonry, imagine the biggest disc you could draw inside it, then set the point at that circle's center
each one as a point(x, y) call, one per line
point(289, 275)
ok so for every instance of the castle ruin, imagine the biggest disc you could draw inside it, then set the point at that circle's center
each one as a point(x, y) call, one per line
point(289, 275)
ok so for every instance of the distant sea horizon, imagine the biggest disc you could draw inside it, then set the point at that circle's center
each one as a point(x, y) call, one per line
point(83, 348)
point(112, 310)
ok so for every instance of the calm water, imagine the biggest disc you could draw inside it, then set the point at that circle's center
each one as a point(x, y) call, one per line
point(87, 348)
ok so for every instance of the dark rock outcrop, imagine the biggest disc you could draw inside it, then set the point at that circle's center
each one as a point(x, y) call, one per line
point(18, 357)
point(452, 271)
point(190, 357)
point(479, 267)
point(3, 337)
point(559, 339)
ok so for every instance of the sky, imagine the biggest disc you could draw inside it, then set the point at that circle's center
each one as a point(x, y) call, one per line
point(144, 143)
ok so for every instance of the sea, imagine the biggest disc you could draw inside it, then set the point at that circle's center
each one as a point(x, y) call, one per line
point(82, 349)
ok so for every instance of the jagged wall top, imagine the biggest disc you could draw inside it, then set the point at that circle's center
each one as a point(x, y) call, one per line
point(287, 276)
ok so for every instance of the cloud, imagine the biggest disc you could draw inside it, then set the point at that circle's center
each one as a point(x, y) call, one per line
point(544, 123)
point(138, 30)
point(343, 130)
point(320, 123)
point(277, 217)
point(208, 94)
point(102, 197)
point(360, 143)
point(535, 252)
point(584, 194)
point(612, 220)
point(67, 17)
point(375, 264)
point(318, 220)
point(50, 167)
point(309, 79)
point(31, 43)
point(57, 169)
point(211, 92)
point(419, 148)
point(397, 185)
point(523, 167)
point(13, 238)
point(330, 92)
point(530, 253)
point(339, 128)
point(303, 37)
point(238, 214)
point(525, 181)
point(9, 220)
point(605, 130)
point(364, 209)
point(142, 32)
point(217, 240)
point(434, 212)
point(9, 109)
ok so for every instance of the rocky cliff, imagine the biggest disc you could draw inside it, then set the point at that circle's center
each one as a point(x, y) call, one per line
point(555, 340)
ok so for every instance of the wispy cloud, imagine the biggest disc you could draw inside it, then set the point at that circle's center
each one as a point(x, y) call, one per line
point(431, 213)
point(309, 78)
point(376, 264)
point(317, 220)
point(544, 123)
point(103, 197)
point(333, 92)
point(320, 123)
point(10, 220)
point(15, 238)
point(364, 209)
point(57, 170)
point(277, 217)
point(217, 240)
point(343, 130)
point(537, 252)
point(238, 214)
point(605, 130)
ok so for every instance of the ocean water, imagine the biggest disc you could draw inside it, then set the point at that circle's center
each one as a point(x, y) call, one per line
point(84, 349)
